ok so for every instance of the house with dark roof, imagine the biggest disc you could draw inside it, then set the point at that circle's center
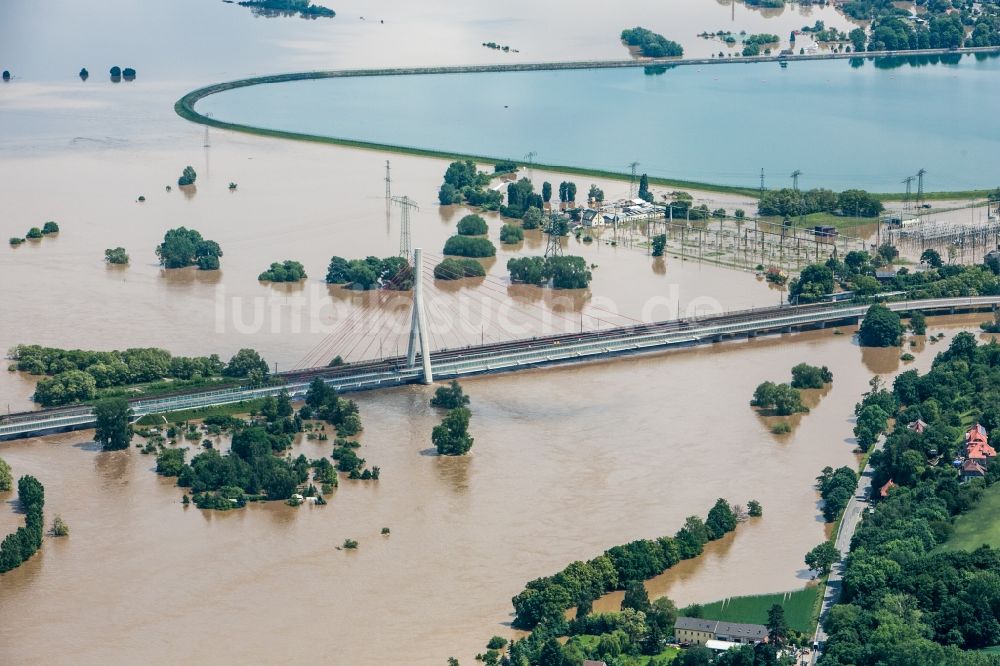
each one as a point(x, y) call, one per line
point(971, 469)
point(697, 631)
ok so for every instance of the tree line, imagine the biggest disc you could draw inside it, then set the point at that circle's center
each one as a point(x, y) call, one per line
point(565, 272)
point(393, 273)
point(856, 272)
point(75, 375)
point(18, 546)
point(545, 600)
point(788, 202)
point(651, 44)
point(903, 600)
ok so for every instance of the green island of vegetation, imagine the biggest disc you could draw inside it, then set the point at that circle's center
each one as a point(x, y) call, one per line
point(286, 271)
point(75, 375)
point(117, 256)
point(302, 8)
point(464, 184)
point(256, 467)
point(392, 273)
point(187, 177)
point(566, 272)
point(511, 234)
point(472, 225)
point(651, 44)
point(756, 44)
point(469, 246)
point(182, 247)
point(451, 437)
point(452, 268)
point(18, 546)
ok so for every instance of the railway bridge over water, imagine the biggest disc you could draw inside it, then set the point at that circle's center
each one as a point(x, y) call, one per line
point(499, 357)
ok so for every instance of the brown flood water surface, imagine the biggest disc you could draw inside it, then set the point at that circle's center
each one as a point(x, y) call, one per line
point(567, 462)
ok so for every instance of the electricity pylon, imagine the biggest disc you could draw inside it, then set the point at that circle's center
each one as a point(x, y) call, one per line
point(406, 204)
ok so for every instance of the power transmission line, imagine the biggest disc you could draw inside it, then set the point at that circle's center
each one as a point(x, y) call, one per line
point(406, 204)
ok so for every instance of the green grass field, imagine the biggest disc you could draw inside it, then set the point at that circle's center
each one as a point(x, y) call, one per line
point(244, 407)
point(979, 526)
point(843, 223)
point(800, 608)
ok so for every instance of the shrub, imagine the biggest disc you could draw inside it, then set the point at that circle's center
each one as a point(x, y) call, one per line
point(116, 255)
point(287, 271)
point(464, 246)
point(472, 225)
point(34, 233)
point(59, 527)
point(50, 227)
point(188, 176)
point(511, 233)
point(350, 544)
point(805, 376)
point(781, 428)
point(15, 241)
point(450, 397)
point(456, 269)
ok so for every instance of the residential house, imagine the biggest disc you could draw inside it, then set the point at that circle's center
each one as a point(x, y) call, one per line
point(917, 426)
point(884, 490)
point(971, 469)
point(981, 452)
point(976, 433)
point(697, 631)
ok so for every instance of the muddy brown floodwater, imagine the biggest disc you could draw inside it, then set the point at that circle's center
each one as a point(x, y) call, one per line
point(566, 463)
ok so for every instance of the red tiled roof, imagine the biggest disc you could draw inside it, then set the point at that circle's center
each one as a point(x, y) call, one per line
point(884, 491)
point(980, 450)
point(976, 433)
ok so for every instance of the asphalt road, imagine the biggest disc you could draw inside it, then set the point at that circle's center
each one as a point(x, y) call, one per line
point(853, 513)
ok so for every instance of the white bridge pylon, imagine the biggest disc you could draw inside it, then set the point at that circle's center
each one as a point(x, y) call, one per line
point(418, 323)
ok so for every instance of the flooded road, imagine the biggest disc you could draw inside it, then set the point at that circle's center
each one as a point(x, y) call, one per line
point(566, 463)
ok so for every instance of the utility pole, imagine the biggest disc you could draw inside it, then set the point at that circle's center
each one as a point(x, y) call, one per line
point(406, 203)
point(631, 185)
point(920, 185)
point(761, 175)
point(418, 323)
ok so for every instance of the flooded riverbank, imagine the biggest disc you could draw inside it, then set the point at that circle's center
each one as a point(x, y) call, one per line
point(567, 462)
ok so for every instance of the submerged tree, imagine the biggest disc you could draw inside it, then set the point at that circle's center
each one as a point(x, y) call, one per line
point(113, 430)
point(452, 438)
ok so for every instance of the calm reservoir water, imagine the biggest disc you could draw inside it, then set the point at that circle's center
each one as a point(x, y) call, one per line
point(843, 126)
